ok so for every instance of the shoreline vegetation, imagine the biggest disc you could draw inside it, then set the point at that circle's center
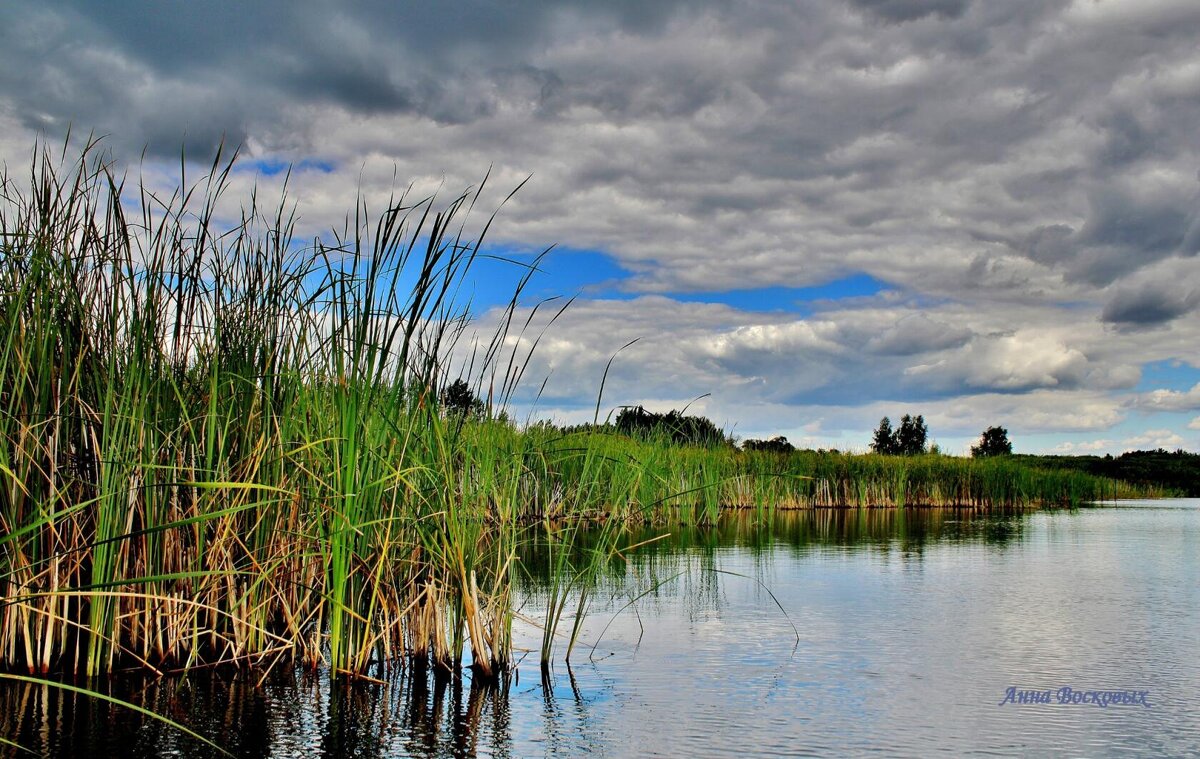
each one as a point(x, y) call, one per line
point(219, 447)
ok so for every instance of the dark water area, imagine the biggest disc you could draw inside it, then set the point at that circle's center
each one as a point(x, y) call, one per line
point(900, 634)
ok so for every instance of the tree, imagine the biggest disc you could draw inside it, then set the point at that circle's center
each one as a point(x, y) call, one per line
point(458, 399)
point(884, 441)
point(778, 444)
point(908, 440)
point(911, 437)
point(673, 426)
point(993, 442)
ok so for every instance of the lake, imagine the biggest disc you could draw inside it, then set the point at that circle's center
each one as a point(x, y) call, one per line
point(823, 632)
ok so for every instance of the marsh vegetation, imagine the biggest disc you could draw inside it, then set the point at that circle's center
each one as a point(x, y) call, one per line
point(681, 640)
point(221, 447)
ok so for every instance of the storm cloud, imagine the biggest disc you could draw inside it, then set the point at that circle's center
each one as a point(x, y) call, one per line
point(1150, 306)
point(1020, 177)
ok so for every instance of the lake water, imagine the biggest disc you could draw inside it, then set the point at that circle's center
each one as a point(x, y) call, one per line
point(903, 633)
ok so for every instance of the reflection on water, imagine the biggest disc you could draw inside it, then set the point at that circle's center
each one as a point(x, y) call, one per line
point(906, 531)
point(911, 626)
point(285, 714)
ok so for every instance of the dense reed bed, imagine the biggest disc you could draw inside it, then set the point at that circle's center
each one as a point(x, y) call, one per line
point(219, 446)
point(652, 480)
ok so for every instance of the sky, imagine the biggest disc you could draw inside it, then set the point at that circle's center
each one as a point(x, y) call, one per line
point(808, 214)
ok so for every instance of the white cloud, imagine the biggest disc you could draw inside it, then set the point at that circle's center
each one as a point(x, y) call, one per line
point(1159, 438)
point(1169, 400)
point(1089, 446)
point(1019, 361)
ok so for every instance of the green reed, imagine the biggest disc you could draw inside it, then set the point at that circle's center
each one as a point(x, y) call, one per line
point(220, 446)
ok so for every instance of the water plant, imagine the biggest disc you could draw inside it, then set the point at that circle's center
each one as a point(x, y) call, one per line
point(220, 446)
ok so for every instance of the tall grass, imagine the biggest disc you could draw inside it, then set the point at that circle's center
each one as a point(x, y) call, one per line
point(600, 472)
point(219, 446)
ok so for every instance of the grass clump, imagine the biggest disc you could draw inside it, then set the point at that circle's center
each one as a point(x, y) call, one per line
point(219, 446)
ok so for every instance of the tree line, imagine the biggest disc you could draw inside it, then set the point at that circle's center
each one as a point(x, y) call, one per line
point(1178, 471)
point(457, 399)
point(911, 438)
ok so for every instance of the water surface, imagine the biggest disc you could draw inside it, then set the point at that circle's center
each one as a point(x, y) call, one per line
point(899, 634)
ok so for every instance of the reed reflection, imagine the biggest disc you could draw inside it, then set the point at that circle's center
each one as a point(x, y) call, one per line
point(657, 550)
point(420, 710)
point(293, 714)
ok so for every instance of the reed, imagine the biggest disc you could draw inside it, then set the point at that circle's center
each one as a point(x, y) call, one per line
point(220, 446)
point(599, 471)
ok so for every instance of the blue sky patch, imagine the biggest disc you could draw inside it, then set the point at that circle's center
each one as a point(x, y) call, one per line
point(800, 300)
point(1172, 374)
point(270, 167)
point(592, 274)
point(564, 273)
